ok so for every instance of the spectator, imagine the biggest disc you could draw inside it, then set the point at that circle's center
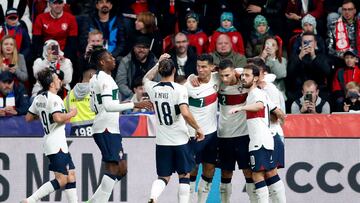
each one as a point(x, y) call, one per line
point(309, 64)
point(111, 26)
point(352, 100)
point(145, 25)
point(272, 55)
point(95, 40)
point(344, 34)
point(79, 97)
point(57, 25)
point(349, 73)
point(297, 9)
point(24, 11)
point(133, 66)
point(224, 50)
point(139, 94)
point(54, 59)
point(226, 27)
point(257, 37)
point(13, 97)
point(10, 59)
point(183, 56)
point(13, 27)
point(308, 24)
point(196, 36)
point(310, 102)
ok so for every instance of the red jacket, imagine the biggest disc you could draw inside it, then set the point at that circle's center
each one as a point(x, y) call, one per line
point(236, 40)
point(199, 40)
point(345, 75)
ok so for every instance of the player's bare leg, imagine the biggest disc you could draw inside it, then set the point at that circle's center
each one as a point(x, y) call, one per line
point(70, 187)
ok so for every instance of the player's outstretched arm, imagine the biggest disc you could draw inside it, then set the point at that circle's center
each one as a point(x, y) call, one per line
point(111, 105)
point(189, 118)
point(251, 107)
point(64, 117)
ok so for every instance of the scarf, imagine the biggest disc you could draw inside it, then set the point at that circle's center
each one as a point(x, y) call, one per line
point(223, 30)
point(342, 42)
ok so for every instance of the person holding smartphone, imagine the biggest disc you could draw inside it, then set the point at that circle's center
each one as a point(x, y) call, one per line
point(310, 102)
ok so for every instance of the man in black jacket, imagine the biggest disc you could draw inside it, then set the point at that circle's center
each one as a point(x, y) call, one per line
point(309, 64)
point(13, 97)
point(183, 56)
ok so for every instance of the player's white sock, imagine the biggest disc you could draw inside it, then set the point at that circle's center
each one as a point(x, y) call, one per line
point(157, 187)
point(250, 190)
point(192, 188)
point(225, 190)
point(262, 192)
point(184, 190)
point(70, 192)
point(103, 192)
point(44, 190)
point(204, 189)
point(276, 189)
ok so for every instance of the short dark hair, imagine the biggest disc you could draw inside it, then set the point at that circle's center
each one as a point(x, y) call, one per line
point(96, 56)
point(348, 1)
point(226, 63)
point(138, 82)
point(45, 77)
point(254, 68)
point(206, 57)
point(166, 67)
point(309, 33)
point(257, 61)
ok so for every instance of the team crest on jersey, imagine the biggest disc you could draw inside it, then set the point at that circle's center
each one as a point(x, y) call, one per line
point(46, 26)
point(201, 41)
point(64, 26)
point(215, 87)
point(240, 89)
point(234, 39)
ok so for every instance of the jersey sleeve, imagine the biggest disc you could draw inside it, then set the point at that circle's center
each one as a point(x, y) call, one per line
point(148, 84)
point(56, 105)
point(183, 95)
point(32, 109)
point(37, 26)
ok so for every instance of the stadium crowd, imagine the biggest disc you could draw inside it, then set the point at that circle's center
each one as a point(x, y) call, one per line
point(310, 46)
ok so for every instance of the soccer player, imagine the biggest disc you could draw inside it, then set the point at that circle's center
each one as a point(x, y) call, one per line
point(105, 103)
point(276, 191)
point(50, 108)
point(203, 105)
point(261, 144)
point(173, 152)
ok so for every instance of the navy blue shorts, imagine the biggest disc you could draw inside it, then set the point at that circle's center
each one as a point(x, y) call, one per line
point(171, 159)
point(60, 162)
point(110, 146)
point(262, 160)
point(279, 152)
point(234, 150)
point(206, 150)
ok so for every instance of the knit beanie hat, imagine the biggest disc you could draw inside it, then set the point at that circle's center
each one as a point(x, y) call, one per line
point(259, 19)
point(227, 16)
point(310, 20)
point(193, 15)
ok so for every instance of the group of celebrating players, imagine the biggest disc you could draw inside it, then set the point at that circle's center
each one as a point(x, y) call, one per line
point(188, 130)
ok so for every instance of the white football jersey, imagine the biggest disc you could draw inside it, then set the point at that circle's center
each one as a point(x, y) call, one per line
point(232, 125)
point(258, 122)
point(44, 106)
point(277, 98)
point(203, 104)
point(103, 85)
point(167, 97)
